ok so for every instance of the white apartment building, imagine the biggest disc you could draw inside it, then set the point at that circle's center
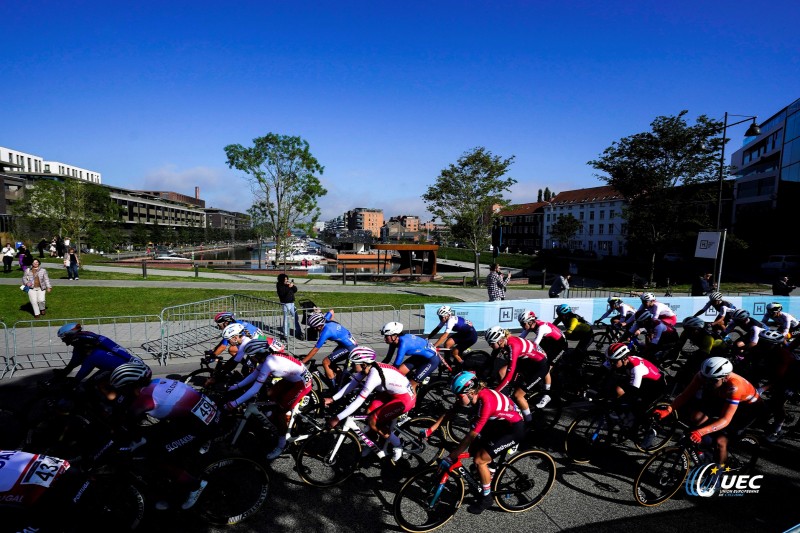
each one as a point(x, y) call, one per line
point(25, 163)
point(600, 211)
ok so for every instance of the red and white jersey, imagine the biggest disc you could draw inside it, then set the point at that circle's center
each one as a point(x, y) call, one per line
point(166, 399)
point(494, 406)
point(25, 476)
point(642, 369)
point(546, 330)
point(282, 365)
point(658, 310)
point(519, 348)
point(396, 384)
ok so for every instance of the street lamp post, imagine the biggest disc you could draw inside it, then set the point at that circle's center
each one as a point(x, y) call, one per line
point(752, 131)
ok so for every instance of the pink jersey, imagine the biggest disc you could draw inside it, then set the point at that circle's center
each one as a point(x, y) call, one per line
point(25, 476)
point(642, 369)
point(546, 329)
point(519, 348)
point(494, 406)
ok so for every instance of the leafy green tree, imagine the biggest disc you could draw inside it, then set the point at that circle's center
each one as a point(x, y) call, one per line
point(647, 167)
point(468, 197)
point(565, 228)
point(105, 237)
point(547, 194)
point(139, 235)
point(284, 177)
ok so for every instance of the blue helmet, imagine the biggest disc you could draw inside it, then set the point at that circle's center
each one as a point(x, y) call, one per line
point(563, 309)
point(68, 330)
point(463, 382)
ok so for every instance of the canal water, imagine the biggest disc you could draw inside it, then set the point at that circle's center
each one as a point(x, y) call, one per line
point(242, 253)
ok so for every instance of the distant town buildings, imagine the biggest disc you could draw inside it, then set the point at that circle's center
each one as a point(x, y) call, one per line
point(364, 218)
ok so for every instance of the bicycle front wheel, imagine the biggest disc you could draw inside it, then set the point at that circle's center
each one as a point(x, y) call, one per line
point(586, 435)
point(429, 450)
point(653, 434)
point(197, 378)
point(328, 458)
point(427, 501)
point(743, 455)
point(524, 481)
point(661, 476)
point(237, 488)
point(112, 503)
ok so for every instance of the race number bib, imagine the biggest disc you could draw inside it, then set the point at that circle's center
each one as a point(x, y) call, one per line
point(205, 410)
point(44, 470)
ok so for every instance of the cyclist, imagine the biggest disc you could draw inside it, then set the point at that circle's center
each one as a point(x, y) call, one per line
point(719, 402)
point(394, 396)
point(294, 385)
point(524, 365)
point(91, 351)
point(576, 328)
point(413, 353)
point(237, 336)
point(723, 308)
point(624, 312)
point(186, 419)
point(696, 331)
point(546, 334)
point(659, 310)
point(331, 330)
point(459, 334)
point(497, 427)
point(785, 323)
point(644, 382)
point(752, 328)
point(783, 376)
point(225, 319)
point(659, 334)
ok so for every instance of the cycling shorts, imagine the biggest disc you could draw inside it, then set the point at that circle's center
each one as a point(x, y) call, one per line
point(529, 373)
point(386, 407)
point(339, 355)
point(421, 367)
point(497, 437)
point(288, 394)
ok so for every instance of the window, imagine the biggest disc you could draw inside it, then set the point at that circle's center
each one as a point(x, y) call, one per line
point(591, 229)
point(600, 228)
point(591, 215)
point(582, 213)
point(623, 229)
point(611, 229)
point(611, 214)
point(602, 215)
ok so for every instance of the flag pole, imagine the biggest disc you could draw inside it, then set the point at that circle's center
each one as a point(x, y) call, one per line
point(721, 256)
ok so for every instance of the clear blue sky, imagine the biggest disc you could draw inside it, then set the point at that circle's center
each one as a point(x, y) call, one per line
point(386, 93)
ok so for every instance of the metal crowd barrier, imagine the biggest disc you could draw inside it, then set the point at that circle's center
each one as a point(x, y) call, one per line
point(412, 316)
point(7, 358)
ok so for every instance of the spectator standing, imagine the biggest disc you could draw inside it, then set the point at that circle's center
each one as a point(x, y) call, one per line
point(37, 281)
point(703, 285)
point(53, 251)
point(42, 246)
point(495, 284)
point(560, 284)
point(782, 287)
point(60, 248)
point(72, 262)
point(8, 256)
point(25, 258)
point(286, 290)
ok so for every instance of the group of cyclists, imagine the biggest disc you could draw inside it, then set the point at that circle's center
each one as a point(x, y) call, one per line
point(716, 401)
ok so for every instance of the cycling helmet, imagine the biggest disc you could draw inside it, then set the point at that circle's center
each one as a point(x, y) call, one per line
point(648, 297)
point(526, 317)
point(275, 346)
point(362, 355)
point(643, 316)
point(563, 309)
point(740, 315)
point(316, 320)
point(714, 296)
point(463, 382)
point(445, 310)
point(771, 337)
point(392, 328)
point(224, 317)
point(256, 347)
point(66, 331)
point(694, 322)
point(617, 351)
point(131, 372)
point(494, 334)
point(715, 368)
point(774, 307)
point(232, 330)
point(614, 301)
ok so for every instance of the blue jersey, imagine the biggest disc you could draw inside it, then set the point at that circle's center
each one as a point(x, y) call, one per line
point(409, 345)
point(457, 326)
point(251, 330)
point(333, 331)
point(103, 353)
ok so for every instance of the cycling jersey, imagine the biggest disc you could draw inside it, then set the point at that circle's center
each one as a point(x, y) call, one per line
point(642, 369)
point(103, 360)
point(663, 312)
point(624, 312)
point(705, 342)
point(167, 399)
point(252, 332)
point(515, 349)
point(239, 357)
point(494, 406)
point(24, 476)
point(409, 345)
point(543, 330)
point(784, 322)
point(723, 309)
point(752, 329)
point(573, 324)
point(279, 365)
point(393, 383)
point(333, 331)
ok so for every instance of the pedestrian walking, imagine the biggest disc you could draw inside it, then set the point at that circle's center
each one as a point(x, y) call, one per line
point(8, 257)
point(286, 290)
point(72, 262)
point(495, 284)
point(38, 282)
point(560, 284)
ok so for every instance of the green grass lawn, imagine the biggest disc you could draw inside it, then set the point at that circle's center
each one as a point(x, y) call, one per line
point(506, 260)
point(76, 301)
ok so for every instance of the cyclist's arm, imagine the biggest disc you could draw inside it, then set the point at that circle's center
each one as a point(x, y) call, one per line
point(389, 354)
point(573, 323)
point(721, 422)
point(463, 445)
point(310, 354)
point(605, 315)
point(355, 380)
point(366, 390)
point(509, 369)
point(259, 378)
point(703, 309)
point(89, 364)
point(687, 394)
point(435, 330)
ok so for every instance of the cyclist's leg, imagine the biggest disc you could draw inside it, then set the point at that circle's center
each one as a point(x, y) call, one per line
point(423, 368)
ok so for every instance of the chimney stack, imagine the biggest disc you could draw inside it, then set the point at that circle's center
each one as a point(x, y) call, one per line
point(197, 193)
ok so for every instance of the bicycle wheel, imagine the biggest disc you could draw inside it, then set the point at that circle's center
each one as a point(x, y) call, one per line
point(478, 361)
point(743, 454)
point(237, 488)
point(652, 434)
point(197, 378)
point(59, 435)
point(429, 450)
point(661, 476)
point(459, 424)
point(328, 458)
point(424, 503)
point(113, 503)
point(434, 398)
point(524, 481)
point(600, 340)
point(587, 434)
point(547, 417)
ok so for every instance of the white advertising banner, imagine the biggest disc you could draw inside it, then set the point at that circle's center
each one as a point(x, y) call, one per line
point(707, 244)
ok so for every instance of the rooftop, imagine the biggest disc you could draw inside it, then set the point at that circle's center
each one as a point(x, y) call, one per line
point(593, 194)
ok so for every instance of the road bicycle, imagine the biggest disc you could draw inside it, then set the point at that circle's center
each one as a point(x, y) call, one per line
point(664, 473)
point(610, 334)
point(431, 498)
point(331, 456)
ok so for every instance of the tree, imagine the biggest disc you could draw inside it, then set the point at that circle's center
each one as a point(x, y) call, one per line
point(139, 235)
point(565, 228)
point(70, 208)
point(547, 194)
point(539, 197)
point(647, 167)
point(283, 175)
point(468, 197)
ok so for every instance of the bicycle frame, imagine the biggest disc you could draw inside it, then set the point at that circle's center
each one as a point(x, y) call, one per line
point(255, 409)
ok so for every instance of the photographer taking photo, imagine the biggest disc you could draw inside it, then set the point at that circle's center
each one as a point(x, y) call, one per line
point(286, 290)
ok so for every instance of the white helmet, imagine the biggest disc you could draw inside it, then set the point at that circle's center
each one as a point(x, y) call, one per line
point(232, 330)
point(617, 351)
point(445, 310)
point(526, 317)
point(494, 334)
point(716, 367)
point(648, 297)
point(392, 328)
